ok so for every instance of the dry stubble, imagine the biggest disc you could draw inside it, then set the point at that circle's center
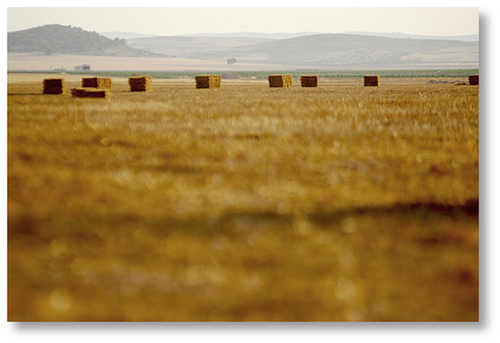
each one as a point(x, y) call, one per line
point(244, 203)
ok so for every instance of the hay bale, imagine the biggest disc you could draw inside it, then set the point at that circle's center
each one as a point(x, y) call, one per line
point(54, 86)
point(140, 83)
point(309, 80)
point(474, 80)
point(372, 80)
point(283, 81)
point(97, 82)
point(90, 93)
point(97, 93)
point(78, 92)
point(208, 81)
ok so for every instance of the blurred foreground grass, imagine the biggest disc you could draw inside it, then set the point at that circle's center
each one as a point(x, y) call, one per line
point(244, 203)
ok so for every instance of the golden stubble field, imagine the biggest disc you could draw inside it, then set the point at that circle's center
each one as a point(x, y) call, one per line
point(244, 203)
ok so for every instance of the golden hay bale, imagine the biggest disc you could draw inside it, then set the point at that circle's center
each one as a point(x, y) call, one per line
point(284, 81)
point(372, 80)
point(78, 92)
point(139, 80)
point(208, 81)
point(90, 93)
point(140, 83)
point(309, 80)
point(97, 82)
point(54, 86)
point(97, 93)
point(474, 80)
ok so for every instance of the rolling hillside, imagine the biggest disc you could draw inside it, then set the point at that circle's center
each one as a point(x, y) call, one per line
point(59, 39)
point(192, 46)
point(315, 51)
point(346, 49)
point(318, 50)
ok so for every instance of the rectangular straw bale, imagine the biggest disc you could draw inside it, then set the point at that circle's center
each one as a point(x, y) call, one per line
point(90, 93)
point(473, 79)
point(309, 80)
point(78, 92)
point(372, 80)
point(97, 93)
point(284, 81)
point(97, 82)
point(140, 83)
point(208, 81)
point(139, 80)
point(54, 86)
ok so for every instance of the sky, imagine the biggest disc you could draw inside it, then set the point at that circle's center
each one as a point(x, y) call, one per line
point(166, 19)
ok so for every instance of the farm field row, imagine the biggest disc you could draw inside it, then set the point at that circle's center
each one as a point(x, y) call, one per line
point(75, 80)
point(260, 74)
point(244, 203)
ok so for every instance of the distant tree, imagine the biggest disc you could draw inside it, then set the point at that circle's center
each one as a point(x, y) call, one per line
point(232, 61)
point(122, 41)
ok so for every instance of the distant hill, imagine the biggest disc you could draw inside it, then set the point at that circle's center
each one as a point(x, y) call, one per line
point(255, 35)
point(318, 50)
point(465, 38)
point(191, 46)
point(132, 35)
point(303, 50)
point(59, 39)
point(348, 49)
point(124, 35)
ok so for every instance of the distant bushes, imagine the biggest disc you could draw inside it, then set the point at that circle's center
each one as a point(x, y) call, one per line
point(326, 74)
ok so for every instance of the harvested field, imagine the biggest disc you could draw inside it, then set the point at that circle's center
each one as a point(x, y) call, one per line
point(339, 203)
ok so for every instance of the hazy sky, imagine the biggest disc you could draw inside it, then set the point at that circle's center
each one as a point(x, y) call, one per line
point(218, 18)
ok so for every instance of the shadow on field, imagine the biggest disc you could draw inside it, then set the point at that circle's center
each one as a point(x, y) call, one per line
point(19, 94)
point(407, 262)
point(470, 208)
point(218, 224)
